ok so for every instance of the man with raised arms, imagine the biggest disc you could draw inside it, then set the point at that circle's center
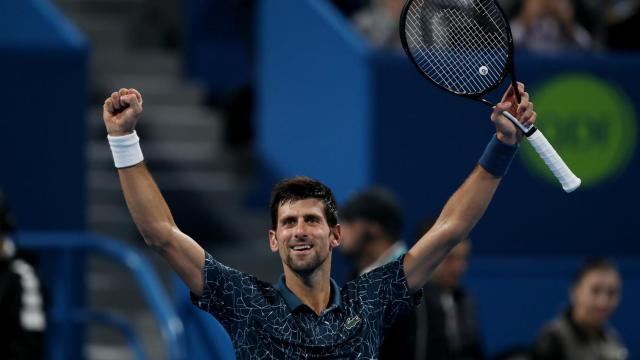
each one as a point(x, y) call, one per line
point(306, 314)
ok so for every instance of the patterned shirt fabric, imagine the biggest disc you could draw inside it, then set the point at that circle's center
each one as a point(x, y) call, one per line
point(270, 322)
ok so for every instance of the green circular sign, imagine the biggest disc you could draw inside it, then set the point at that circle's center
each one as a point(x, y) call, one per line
point(590, 123)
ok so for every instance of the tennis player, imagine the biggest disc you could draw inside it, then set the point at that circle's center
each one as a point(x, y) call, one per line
point(305, 315)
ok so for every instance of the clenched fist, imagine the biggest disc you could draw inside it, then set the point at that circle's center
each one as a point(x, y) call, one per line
point(121, 111)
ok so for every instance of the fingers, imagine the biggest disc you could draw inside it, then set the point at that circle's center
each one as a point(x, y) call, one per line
point(132, 101)
point(108, 106)
point(122, 99)
point(122, 93)
point(115, 100)
point(498, 109)
point(137, 93)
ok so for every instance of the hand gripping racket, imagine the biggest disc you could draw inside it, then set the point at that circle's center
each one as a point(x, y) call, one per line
point(465, 47)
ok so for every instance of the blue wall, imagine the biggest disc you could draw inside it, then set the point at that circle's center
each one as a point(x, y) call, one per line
point(43, 67)
point(313, 93)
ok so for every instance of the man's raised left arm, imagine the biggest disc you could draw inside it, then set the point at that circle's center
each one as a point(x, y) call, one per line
point(467, 205)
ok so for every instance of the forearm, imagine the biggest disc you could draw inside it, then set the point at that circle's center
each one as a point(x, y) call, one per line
point(148, 208)
point(460, 214)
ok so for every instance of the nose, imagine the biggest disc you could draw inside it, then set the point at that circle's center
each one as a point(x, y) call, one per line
point(300, 230)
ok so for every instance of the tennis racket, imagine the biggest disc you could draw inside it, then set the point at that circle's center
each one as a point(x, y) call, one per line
point(465, 47)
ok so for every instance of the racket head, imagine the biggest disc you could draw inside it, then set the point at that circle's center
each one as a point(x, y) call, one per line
point(462, 46)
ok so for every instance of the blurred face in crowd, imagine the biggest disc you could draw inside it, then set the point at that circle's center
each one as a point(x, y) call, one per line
point(595, 296)
point(303, 237)
point(453, 267)
point(355, 236)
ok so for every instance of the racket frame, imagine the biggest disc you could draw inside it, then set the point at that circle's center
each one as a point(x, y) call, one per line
point(508, 69)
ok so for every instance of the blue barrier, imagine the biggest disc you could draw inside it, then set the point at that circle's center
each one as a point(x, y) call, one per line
point(72, 244)
point(117, 322)
point(206, 338)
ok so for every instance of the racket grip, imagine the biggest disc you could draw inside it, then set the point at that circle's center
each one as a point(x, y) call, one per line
point(550, 157)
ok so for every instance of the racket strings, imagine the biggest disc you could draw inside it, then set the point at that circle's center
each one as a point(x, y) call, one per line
point(460, 44)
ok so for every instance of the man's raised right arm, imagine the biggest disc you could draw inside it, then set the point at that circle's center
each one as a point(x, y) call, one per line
point(148, 208)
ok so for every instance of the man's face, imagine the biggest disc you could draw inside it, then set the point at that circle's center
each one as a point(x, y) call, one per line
point(596, 296)
point(302, 236)
point(453, 267)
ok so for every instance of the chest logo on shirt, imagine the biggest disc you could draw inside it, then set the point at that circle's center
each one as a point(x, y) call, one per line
point(351, 322)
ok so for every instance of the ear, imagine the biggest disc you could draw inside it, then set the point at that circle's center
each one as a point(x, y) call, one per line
point(273, 241)
point(335, 237)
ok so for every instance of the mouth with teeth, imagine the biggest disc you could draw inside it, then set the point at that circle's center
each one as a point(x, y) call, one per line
point(301, 249)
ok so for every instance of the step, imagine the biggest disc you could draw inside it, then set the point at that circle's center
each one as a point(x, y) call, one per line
point(116, 59)
point(171, 122)
point(198, 181)
point(167, 89)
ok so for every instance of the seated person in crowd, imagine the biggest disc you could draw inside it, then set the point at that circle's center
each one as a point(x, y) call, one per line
point(549, 26)
point(22, 319)
point(378, 22)
point(581, 332)
point(445, 326)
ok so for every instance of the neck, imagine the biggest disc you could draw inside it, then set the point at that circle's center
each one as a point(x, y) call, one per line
point(313, 289)
point(580, 320)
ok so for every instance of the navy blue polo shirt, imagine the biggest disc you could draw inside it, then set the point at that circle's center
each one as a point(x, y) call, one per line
point(267, 322)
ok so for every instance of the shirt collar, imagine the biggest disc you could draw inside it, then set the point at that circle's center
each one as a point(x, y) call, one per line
point(293, 302)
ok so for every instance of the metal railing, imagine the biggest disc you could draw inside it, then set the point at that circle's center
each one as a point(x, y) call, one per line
point(70, 244)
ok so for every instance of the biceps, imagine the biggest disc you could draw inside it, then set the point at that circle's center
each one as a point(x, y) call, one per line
point(186, 257)
point(426, 254)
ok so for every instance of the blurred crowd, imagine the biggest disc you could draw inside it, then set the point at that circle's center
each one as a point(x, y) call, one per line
point(538, 26)
point(446, 325)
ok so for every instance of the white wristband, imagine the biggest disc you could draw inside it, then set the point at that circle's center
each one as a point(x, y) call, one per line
point(125, 149)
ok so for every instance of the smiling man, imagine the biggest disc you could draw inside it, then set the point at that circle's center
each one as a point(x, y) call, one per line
point(305, 315)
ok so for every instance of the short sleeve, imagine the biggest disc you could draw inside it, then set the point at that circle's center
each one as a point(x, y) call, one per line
point(387, 288)
point(226, 291)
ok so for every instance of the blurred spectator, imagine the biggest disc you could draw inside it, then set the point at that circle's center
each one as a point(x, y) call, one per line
point(549, 26)
point(453, 331)
point(349, 7)
point(22, 320)
point(379, 22)
point(581, 331)
point(445, 326)
point(372, 223)
point(623, 19)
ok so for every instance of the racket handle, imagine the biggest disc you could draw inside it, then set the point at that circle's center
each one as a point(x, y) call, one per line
point(550, 157)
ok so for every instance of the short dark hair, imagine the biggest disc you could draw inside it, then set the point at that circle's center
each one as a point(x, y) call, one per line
point(300, 188)
point(377, 205)
point(593, 264)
